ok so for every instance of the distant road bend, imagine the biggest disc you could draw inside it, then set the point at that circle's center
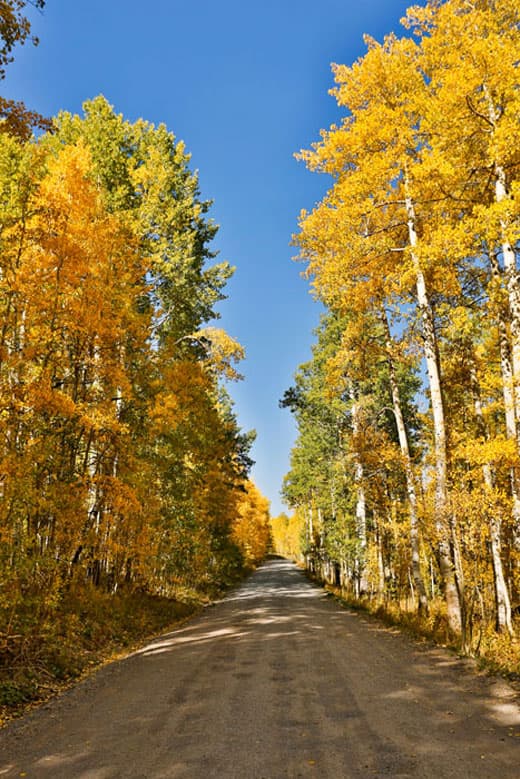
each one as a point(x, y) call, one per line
point(275, 681)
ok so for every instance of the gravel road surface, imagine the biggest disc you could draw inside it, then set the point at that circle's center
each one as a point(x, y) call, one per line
point(275, 681)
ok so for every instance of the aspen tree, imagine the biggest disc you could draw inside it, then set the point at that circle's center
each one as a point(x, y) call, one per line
point(121, 460)
point(251, 528)
point(475, 85)
point(422, 219)
point(380, 93)
point(408, 466)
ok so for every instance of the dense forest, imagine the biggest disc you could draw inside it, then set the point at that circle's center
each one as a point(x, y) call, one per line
point(405, 476)
point(125, 490)
point(123, 470)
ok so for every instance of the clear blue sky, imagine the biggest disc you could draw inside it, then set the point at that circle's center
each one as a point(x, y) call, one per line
point(245, 85)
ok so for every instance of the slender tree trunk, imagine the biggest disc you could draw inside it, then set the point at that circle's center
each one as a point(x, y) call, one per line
point(513, 291)
point(505, 360)
point(380, 559)
point(446, 562)
point(410, 481)
point(361, 512)
point(310, 538)
point(508, 395)
point(502, 600)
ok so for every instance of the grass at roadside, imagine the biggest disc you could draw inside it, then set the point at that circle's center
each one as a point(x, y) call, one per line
point(493, 652)
point(43, 654)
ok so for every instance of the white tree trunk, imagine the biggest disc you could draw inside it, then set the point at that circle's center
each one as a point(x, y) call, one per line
point(361, 511)
point(446, 563)
point(513, 291)
point(410, 481)
point(502, 600)
point(509, 399)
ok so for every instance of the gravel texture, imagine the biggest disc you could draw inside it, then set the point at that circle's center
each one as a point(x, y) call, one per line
point(277, 680)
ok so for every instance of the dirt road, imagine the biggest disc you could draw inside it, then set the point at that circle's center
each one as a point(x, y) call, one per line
point(275, 681)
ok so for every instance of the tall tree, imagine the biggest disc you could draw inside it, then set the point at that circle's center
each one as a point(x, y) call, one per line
point(421, 219)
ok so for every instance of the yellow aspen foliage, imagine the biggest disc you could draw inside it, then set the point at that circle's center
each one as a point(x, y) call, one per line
point(121, 462)
point(287, 532)
point(251, 529)
point(122, 465)
point(414, 249)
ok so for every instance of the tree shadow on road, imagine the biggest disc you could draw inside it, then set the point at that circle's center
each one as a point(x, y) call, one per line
point(277, 680)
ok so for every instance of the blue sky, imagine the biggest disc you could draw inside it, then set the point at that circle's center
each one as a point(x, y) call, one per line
point(245, 85)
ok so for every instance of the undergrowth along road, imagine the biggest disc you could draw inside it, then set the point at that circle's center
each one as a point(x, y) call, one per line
point(277, 680)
